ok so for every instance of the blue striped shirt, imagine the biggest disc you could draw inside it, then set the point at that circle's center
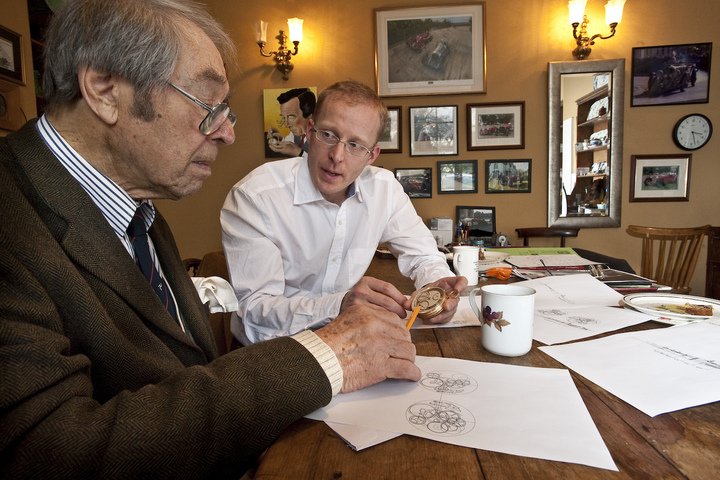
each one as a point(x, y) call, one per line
point(114, 203)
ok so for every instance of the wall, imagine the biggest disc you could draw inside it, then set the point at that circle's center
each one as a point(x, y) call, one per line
point(522, 36)
point(15, 17)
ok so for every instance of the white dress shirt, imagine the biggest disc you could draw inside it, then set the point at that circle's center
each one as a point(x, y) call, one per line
point(292, 255)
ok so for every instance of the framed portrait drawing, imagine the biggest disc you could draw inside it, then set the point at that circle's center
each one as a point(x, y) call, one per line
point(481, 220)
point(286, 123)
point(417, 182)
point(495, 126)
point(671, 74)
point(433, 131)
point(391, 138)
point(430, 50)
point(457, 176)
point(660, 178)
point(508, 176)
point(11, 67)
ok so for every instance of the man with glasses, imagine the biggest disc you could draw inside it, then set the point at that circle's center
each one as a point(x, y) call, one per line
point(300, 233)
point(296, 107)
point(109, 367)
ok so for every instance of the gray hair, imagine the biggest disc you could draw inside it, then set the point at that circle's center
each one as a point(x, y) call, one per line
point(137, 40)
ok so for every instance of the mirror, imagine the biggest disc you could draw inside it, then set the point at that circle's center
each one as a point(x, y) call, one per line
point(585, 100)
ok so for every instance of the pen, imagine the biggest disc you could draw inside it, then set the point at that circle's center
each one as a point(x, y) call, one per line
point(414, 315)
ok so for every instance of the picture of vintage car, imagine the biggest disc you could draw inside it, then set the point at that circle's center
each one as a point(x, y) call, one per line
point(436, 59)
point(660, 179)
point(417, 42)
point(674, 77)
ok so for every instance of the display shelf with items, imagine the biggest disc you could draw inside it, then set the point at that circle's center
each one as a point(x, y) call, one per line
point(588, 196)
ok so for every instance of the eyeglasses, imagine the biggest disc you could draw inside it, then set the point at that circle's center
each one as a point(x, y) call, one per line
point(353, 148)
point(216, 115)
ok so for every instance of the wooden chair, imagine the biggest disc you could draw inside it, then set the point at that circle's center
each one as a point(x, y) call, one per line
point(213, 265)
point(561, 232)
point(669, 255)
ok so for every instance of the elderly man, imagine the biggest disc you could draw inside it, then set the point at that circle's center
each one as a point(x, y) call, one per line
point(300, 233)
point(109, 368)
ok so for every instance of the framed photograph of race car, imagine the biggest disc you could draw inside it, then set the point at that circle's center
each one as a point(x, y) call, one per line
point(430, 50)
point(671, 74)
point(660, 178)
point(417, 182)
point(495, 126)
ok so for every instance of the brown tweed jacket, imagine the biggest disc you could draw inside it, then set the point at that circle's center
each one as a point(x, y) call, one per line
point(96, 379)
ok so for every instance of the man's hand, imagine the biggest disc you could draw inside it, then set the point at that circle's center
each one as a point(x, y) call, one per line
point(286, 148)
point(450, 306)
point(371, 345)
point(371, 291)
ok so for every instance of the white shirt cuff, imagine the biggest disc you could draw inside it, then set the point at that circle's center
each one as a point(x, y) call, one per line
point(325, 357)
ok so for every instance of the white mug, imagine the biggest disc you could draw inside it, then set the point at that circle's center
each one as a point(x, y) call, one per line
point(506, 317)
point(465, 258)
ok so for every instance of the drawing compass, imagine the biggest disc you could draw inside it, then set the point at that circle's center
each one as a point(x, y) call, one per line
point(430, 300)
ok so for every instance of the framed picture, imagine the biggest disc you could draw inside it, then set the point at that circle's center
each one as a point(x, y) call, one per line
point(11, 67)
point(391, 138)
point(508, 176)
point(430, 50)
point(671, 74)
point(417, 182)
point(457, 177)
point(660, 178)
point(433, 131)
point(287, 123)
point(481, 220)
point(495, 126)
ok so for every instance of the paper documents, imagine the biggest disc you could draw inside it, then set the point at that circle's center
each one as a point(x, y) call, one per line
point(464, 317)
point(656, 371)
point(533, 412)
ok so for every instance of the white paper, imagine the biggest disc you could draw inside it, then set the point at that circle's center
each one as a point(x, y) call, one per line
point(540, 261)
point(359, 438)
point(464, 317)
point(559, 325)
point(656, 371)
point(533, 412)
point(581, 290)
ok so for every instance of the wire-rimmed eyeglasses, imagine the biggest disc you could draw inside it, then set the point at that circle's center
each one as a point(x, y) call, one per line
point(353, 148)
point(216, 114)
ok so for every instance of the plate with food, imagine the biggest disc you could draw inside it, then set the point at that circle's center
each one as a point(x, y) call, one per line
point(674, 308)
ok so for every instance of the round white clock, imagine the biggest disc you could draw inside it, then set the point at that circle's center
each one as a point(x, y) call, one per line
point(692, 131)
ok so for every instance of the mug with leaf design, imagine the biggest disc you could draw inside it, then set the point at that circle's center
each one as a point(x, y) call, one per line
point(507, 318)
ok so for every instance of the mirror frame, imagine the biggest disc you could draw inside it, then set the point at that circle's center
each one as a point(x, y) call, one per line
point(617, 99)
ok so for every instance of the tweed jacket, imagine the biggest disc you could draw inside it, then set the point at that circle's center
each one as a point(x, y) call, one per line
point(96, 379)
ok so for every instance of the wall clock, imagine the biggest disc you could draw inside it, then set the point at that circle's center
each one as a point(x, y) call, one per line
point(692, 131)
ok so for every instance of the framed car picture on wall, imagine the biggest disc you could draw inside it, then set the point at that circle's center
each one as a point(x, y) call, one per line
point(457, 176)
point(433, 130)
point(660, 178)
point(417, 182)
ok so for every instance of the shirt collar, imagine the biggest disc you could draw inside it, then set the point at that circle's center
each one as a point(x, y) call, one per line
point(306, 192)
point(114, 203)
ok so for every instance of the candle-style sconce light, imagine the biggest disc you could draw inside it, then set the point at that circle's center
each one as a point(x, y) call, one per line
point(576, 8)
point(283, 54)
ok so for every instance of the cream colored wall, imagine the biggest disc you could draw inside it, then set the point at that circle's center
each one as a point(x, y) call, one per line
point(15, 17)
point(522, 37)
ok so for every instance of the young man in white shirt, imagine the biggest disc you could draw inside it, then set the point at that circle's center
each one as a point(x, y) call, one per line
point(300, 233)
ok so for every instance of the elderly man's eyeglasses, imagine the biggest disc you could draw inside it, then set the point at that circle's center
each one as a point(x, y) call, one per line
point(353, 148)
point(216, 115)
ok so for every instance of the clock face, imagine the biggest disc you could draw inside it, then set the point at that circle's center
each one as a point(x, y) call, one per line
point(692, 131)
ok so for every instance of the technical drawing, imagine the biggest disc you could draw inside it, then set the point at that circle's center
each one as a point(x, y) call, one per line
point(448, 382)
point(440, 418)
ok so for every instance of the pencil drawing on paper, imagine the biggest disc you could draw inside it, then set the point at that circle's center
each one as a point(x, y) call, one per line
point(563, 317)
point(448, 382)
point(441, 418)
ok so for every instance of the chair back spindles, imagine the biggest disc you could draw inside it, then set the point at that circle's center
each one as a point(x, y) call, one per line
point(669, 255)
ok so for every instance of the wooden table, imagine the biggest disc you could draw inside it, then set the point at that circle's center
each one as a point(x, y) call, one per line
point(684, 444)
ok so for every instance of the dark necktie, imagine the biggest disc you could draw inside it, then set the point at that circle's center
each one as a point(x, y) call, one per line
point(139, 239)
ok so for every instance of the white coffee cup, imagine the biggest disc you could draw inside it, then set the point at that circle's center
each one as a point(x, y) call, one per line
point(507, 318)
point(465, 258)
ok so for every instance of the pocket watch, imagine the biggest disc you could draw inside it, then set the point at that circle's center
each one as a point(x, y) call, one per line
point(692, 131)
point(430, 300)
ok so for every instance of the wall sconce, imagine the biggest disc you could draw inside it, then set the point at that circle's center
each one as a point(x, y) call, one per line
point(282, 55)
point(613, 15)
